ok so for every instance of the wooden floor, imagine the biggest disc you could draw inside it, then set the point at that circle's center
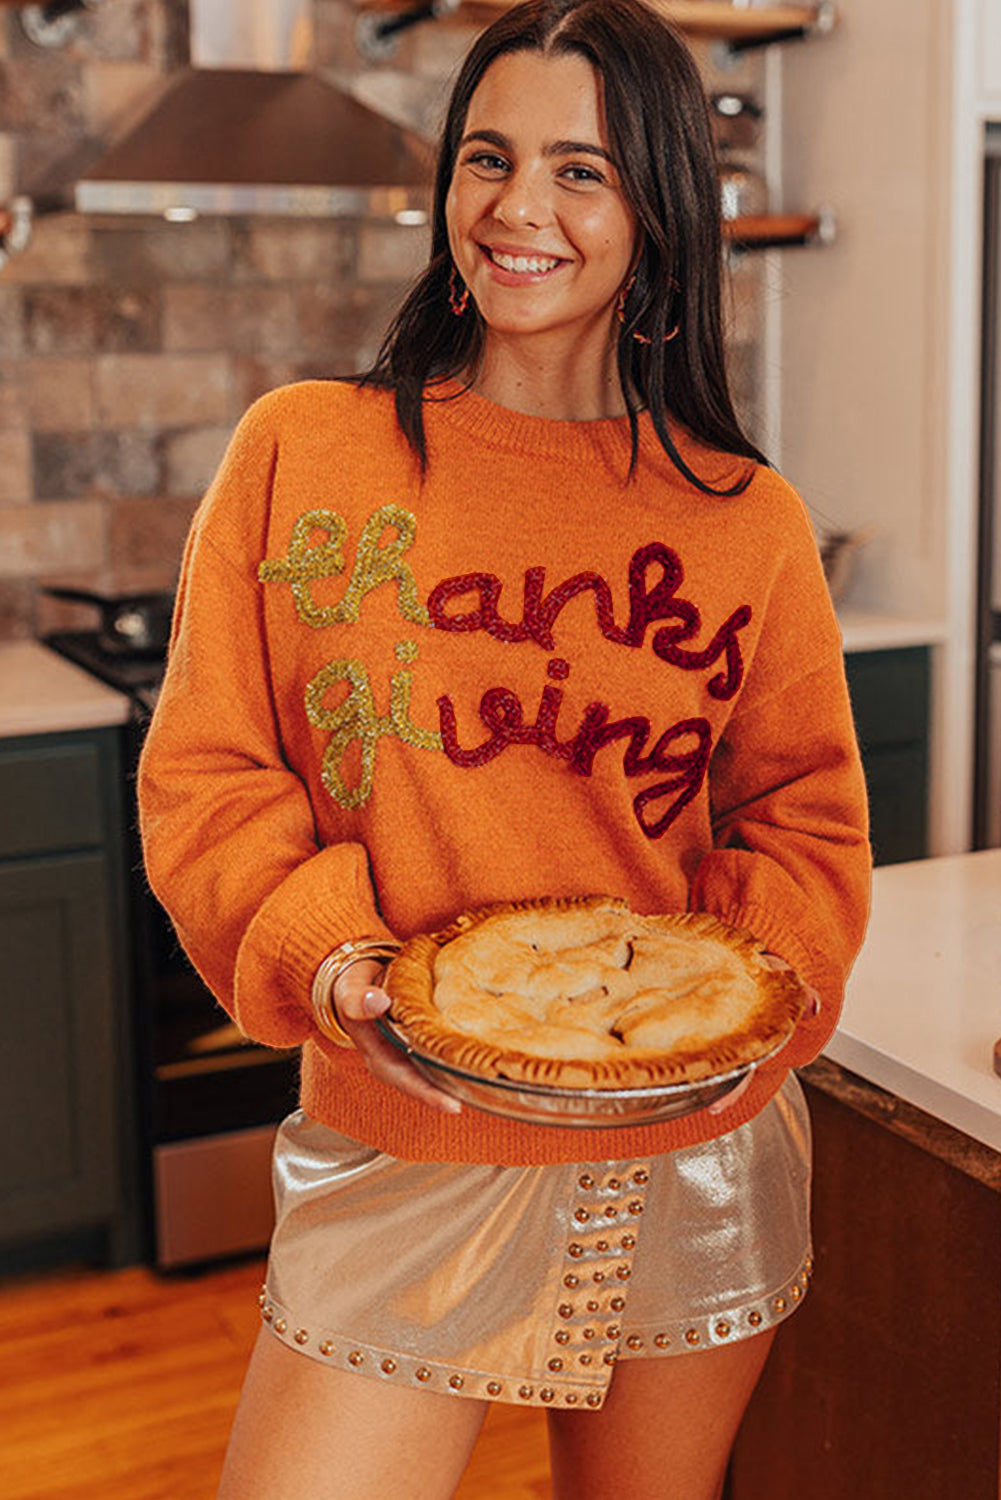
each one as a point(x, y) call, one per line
point(122, 1385)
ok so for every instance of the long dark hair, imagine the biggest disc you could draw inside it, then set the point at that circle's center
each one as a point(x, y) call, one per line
point(658, 123)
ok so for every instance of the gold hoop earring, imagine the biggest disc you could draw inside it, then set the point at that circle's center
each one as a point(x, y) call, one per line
point(457, 301)
point(620, 309)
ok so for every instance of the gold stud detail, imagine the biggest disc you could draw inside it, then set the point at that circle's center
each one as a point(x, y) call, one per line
point(795, 1293)
point(601, 1246)
point(661, 1340)
point(612, 1331)
point(262, 1297)
point(301, 1336)
point(423, 1373)
point(494, 1387)
point(547, 1393)
point(267, 1313)
point(280, 1325)
point(525, 1392)
point(808, 1264)
point(640, 1176)
point(581, 1215)
point(617, 1304)
point(611, 1212)
point(575, 1251)
point(456, 1382)
point(570, 1398)
point(636, 1207)
point(585, 1181)
point(598, 1276)
point(571, 1280)
point(614, 1184)
point(634, 1341)
point(584, 1359)
point(693, 1337)
point(779, 1304)
point(754, 1318)
point(562, 1336)
point(355, 1357)
point(611, 1358)
point(587, 1333)
point(804, 1278)
point(622, 1272)
point(592, 1305)
point(593, 1399)
point(555, 1364)
point(388, 1367)
point(628, 1242)
point(565, 1310)
point(327, 1348)
point(722, 1329)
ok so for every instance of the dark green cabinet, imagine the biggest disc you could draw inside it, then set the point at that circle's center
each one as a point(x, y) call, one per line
point(65, 1111)
point(890, 701)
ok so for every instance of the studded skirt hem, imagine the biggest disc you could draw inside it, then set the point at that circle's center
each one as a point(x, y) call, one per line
point(529, 1284)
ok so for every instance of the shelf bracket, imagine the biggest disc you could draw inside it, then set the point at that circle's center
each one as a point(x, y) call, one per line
point(822, 24)
point(376, 36)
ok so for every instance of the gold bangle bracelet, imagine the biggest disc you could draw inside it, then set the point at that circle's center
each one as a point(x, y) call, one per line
point(328, 973)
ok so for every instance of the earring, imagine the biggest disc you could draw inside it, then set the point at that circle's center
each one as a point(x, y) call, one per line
point(457, 301)
point(620, 309)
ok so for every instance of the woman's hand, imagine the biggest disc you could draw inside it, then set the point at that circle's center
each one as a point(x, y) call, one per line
point(357, 1001)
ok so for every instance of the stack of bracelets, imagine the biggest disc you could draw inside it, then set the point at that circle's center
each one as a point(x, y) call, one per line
point(333, 966)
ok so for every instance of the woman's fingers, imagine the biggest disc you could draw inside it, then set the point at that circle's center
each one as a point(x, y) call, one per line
point(358, 1000)
point(729, 1099)
point(773, 961)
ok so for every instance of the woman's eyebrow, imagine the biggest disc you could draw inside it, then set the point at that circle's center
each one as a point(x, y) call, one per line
point(555, 148)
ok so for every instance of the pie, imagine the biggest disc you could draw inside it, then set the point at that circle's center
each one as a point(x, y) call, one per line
point(582, 992)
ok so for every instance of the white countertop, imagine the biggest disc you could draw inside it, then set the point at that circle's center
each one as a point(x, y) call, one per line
point(923, 1007)
point(867, 630)
point(42, 693)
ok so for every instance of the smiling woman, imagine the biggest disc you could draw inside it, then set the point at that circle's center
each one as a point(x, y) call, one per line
point(519, 616)
point(543, 235)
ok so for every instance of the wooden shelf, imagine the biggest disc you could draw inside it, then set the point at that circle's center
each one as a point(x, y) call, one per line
point(772, 231)
point(715, 20)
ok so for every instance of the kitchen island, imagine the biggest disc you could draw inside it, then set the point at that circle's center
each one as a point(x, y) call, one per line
point(887, 1384)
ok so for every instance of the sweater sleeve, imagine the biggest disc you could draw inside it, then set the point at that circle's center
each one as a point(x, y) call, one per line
point(791, 859)
point(228, 831)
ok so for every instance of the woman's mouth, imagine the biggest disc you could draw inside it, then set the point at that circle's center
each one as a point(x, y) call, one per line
point(520, 265)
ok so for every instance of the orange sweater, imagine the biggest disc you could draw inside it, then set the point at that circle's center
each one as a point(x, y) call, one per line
point(390, 698)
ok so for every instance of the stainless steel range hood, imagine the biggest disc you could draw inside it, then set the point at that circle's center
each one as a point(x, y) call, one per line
point(246, 130)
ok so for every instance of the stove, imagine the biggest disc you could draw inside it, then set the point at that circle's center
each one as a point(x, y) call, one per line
point(210, 1100)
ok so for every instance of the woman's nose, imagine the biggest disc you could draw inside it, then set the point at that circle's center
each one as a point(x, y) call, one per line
point(522, 201)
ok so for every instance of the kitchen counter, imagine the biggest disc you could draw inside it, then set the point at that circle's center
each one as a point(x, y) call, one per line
point(41, 693)
point(894, 1362)
point(923, 1006)
point(867, 630)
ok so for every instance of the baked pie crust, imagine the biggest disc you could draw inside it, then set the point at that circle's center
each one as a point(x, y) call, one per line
point(581, 992)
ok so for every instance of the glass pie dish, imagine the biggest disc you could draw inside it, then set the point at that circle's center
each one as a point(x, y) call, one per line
point(541, 1104)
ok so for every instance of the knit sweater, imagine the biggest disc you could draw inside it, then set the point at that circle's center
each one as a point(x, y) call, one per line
point(391, 698)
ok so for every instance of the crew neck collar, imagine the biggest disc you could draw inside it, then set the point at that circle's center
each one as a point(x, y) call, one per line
point(455, 404)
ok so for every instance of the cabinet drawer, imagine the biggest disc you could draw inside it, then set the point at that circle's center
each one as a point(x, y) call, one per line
point(50, 798)
point(889, 693)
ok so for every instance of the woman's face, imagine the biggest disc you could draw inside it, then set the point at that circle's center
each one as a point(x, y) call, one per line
point(539, 227)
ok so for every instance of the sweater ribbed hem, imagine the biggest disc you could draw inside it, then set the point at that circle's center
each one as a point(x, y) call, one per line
point(341, 1093)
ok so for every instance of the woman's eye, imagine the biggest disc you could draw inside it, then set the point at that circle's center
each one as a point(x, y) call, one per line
point(487, 161)
point(577, 173)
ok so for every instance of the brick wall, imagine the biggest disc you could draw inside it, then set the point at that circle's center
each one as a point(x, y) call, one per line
point(130, 346)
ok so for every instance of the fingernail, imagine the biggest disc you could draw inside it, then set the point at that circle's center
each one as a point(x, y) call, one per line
point(373, 1003)
point(452, 1107)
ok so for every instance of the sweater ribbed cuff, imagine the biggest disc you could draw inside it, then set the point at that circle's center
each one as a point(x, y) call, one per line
point(322, 903)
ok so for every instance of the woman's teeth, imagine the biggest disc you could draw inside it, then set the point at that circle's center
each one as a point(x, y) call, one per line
point(531, 263)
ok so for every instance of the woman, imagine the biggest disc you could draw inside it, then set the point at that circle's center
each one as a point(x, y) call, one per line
point(521, 614)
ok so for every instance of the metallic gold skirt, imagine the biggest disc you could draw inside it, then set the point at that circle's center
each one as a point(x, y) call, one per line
point(528, 1284)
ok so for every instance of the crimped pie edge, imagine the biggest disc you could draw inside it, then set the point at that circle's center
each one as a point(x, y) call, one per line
point(410, 984)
